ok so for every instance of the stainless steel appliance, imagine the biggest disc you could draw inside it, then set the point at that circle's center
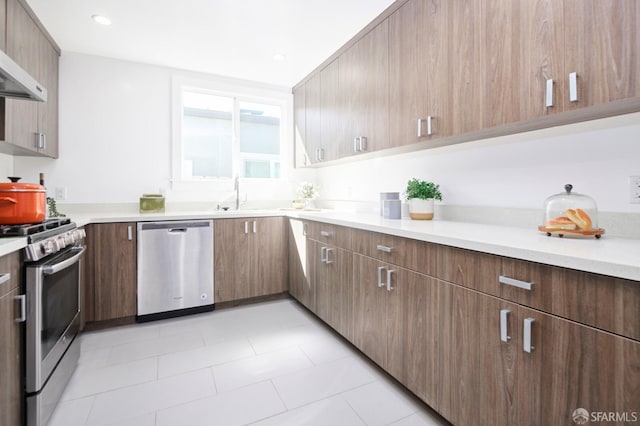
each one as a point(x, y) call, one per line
point(175, 268)
point(15, 82)
point(53, 264)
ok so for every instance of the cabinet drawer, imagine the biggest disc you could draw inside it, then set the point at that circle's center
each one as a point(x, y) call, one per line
point(468, 268)
point(334, 235)
point(604, 302)
point(411, 254)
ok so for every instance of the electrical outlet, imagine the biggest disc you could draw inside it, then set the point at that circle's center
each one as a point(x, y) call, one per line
point(61, 193)
point(634, 189)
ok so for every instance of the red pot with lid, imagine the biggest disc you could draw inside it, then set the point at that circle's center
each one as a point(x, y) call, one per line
point(22, 203)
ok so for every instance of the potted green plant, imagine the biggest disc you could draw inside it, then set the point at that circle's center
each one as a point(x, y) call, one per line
point(420, 195)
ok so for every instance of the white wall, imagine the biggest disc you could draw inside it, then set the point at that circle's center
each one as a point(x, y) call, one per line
point(517, 171)
point(115, 137)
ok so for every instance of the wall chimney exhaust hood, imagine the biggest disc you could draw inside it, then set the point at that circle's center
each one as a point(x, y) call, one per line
point(17, 83)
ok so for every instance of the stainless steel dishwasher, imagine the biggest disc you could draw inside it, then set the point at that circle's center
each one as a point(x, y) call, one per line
point(175, 268)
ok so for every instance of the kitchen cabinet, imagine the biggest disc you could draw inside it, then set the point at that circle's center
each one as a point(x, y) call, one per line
point(300, 279)
point(313, 117)
point(31, 127)
point(333, 113)
point(301, 157)
point(601, 44)
point(10, 342)
point(112, 281)
point(250, 258)
point(364, 83)
point(420, 105)
point(466, 333)
point(524, 49)
point(3, 25)
point(332, 278)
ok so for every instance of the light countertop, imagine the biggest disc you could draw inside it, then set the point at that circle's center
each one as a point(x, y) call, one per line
point(614, 256)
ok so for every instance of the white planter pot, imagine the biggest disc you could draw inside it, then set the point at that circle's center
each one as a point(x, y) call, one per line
point(421, 209)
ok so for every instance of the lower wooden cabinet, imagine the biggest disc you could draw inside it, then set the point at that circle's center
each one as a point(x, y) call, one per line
point(331, 274)
point(10, 343)
point(480, 354)
point(300, 283)
point(110, 288)
point(250, 258)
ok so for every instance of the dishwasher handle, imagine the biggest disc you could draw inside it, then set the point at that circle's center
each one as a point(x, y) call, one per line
point(177, 230)
point(174, 226)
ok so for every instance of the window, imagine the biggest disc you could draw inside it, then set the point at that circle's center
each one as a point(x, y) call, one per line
point(221, 134)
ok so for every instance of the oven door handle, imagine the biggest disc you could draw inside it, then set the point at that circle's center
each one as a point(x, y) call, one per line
point(52, 269)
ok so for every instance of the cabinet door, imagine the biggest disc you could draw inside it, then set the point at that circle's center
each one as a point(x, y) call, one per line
point(370, 308)
point(313, 125)
point(21, 121)
point(365, 74)
point(268, 256)
point(482, 367)
point(332, 117)
point(112, 247)
point(601, 45)
point(300, 283)
point(419, 50)
point(48, 111)
point(334, 287)
point(524, 49)
point(3, 25)
point(10, 343)
point(231, 260)
point(301, 156)
point(10, 369)
point(574, 366)
point(466, 65)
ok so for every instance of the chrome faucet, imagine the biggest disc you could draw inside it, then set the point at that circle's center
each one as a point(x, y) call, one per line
point(236, 187)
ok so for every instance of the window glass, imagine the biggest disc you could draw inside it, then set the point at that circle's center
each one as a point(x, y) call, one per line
point(207, 135)
point(260, 139)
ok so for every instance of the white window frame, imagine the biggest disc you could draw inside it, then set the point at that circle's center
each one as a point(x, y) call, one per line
point(243, 92)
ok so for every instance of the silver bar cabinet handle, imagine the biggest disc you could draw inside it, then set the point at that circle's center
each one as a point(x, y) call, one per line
point(549, 96)
point(380, 269)
point(362, 143)
point(130, 233)
point(515, 283)
point(5, 277)
point(504, 325)
point(325, 234)
point(429, 130)
point(356, 144)
point(327, 260)
point(255, 226)
point(22, 299)
point(246, 227)
point(526, 345)
point(573, 87)
point(304, 229)
point(389, 273)
point(323, 254)
point(385, 248)
point(420, 120)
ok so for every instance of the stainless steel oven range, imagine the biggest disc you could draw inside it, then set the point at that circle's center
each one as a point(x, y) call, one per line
point(53, 267)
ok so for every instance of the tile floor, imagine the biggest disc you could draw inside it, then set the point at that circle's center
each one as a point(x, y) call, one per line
point(271, 363)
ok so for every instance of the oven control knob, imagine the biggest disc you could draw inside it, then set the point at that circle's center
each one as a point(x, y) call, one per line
point(48, 247)
point(60, 243)
point(69, 238)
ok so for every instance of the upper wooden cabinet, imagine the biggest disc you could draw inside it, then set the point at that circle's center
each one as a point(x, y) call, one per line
point(601, 46)
point(31, 127)
point(364, 86)
point(447, 72)
point(420, 106)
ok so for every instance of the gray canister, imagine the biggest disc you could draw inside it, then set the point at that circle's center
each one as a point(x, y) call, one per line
point(387, 196)
point(392, 209)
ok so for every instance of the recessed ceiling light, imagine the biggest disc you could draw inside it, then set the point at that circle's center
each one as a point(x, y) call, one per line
point(279, 57)
point(102, 20)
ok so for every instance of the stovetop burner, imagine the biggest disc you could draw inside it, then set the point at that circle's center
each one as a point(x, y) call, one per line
point(32, 228)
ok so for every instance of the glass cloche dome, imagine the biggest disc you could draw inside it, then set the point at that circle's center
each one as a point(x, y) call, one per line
point(570, 213)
